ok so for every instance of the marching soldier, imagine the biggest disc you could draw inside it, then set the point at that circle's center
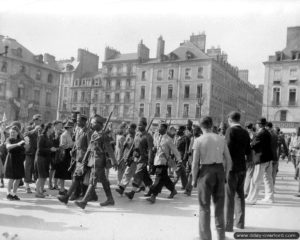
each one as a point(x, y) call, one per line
point(98, 162)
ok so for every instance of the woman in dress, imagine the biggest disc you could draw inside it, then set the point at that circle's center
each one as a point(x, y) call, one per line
point(43, 157)
point(14, 164)
point(66, 145)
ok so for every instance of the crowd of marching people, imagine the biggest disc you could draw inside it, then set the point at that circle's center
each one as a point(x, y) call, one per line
point(227, 164)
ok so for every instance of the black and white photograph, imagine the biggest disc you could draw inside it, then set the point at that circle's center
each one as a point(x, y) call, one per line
point(149, 119)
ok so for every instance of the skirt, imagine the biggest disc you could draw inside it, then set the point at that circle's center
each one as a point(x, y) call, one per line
point(61, 168)
point(42, 166)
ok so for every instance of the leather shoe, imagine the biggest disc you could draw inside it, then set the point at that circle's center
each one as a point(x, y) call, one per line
point(109, 201)
point(120, 190)
point(80, 204)
point(130, 195)
point(172, 194)
point(151, 199)
point(63, 198)
point(141, 189)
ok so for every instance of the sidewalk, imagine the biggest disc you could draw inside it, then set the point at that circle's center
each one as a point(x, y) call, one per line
point(45, 219)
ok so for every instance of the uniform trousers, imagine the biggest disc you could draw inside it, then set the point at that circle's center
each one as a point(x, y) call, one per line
point(211, 181)
point(141, 175)
point(128, 174)
point(262, 173)
point(29, 168)
point(121, 170)
point(161, 179)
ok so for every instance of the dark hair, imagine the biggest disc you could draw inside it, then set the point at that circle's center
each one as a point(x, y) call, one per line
point(269, 124)
point(234, 116)
point(47, 127)
point(298, 131)
point(132, 126)
point(15, 128)
point(57, 122)
point(206, 122)
point(249, 126)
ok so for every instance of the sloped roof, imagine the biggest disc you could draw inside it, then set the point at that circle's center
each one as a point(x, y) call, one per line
point(64, 63)
point(124, 57)
point(189, 47)
point(27, 56)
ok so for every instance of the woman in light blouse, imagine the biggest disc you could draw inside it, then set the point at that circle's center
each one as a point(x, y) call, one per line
point(66, 145)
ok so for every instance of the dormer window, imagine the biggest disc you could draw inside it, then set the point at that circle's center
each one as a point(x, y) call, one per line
point(294, 55)
point(189, 55)
point(173, 56)
point(278, 56)
point(70, 67)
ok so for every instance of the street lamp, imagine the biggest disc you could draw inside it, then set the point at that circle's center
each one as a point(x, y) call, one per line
point(5, 42)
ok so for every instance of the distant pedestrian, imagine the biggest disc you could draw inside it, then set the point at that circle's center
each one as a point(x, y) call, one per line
point(210, 165)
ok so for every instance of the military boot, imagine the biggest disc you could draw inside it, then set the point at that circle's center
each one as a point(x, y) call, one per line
point(110, 199)
point(130, 195)
point(151, 199)
point(82, 204)
point(120, 190)
point(65, 198)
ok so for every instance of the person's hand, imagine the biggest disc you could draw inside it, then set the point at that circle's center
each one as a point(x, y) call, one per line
point(21, 143)
point(26, 139)
point(53, 149)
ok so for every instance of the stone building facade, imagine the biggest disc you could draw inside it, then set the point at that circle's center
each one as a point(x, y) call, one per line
point(75, 73)
point(119, 77)
point(190, 82)
point(28, 83)
point(281, 85)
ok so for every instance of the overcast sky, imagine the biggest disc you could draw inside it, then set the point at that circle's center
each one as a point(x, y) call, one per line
point(248, 31)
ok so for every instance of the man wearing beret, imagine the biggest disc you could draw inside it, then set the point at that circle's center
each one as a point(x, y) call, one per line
point(32, 133)
point(82, 140)
point(98, 162)
point(143, 155)
point(262, 159)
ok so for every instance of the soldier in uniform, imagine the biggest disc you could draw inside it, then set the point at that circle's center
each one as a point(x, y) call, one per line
point(98, 162)
point(82, 139)
point(143, 155)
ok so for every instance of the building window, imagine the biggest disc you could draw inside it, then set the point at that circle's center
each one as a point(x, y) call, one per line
point(199, 91)
point(277, 75)
point(142, 92)
point(292, 97)
point(48, 99)
point(276, 96)
point(76, 82)
point(95, 96)
point(108, 83)
point(75, 97)
point(170, 92)
point(50, 78)
point(283, 114)
point(117, 97)
point(38, 75)
point(142, 109)
point(187, 73)
point(127, 97)
point(4, 67)
point(200, 72)
point(186, 110)
point(171, 74)
point(20, 91)
point(128, 83)
point(157, 110)
point(159, 75)
point(186, 91)
point(82, 96)
point(169, 111)
point(94, 110)
point(37, 96)
point(293, 72)
point(22, 69)
point(158, 92)
point(116, 111)
point(64, 106)
point(143, 75)
point(107, 98)
point(118, 84)
point(198, 111)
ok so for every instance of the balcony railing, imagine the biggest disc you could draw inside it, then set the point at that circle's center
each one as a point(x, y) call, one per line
point(292, 103)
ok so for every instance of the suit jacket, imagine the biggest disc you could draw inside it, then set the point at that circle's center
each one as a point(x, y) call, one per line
point(274, 144)
point(261, 144)
point(238, 142)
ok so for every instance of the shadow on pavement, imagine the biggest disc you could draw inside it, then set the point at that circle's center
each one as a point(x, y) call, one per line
point(27, 221)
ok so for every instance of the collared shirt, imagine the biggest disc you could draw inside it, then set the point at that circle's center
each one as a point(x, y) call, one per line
point(210, 148)
point(143, 144)
point(66, 140)
point(165, 147)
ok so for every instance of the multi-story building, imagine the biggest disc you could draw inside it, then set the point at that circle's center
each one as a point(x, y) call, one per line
point(281, 86)
point(28, 83)
point(76, 73)
point(190, 82)
point(119, 76)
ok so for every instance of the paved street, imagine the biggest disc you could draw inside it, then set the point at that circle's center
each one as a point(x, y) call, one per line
point(33, 218)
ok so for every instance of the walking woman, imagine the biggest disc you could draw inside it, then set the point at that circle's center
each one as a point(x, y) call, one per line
point(43, 158)
point(66, 143)
point(14, 164)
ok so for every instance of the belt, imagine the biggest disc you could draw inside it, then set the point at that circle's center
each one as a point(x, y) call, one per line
point(212, 164)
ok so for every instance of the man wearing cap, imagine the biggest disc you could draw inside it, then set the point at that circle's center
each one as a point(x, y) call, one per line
point(120, 140)
point(82, 140)
point(32, 133)
point(143, 155)
point(164, 147)
point(98, 161)
point(262, 159)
